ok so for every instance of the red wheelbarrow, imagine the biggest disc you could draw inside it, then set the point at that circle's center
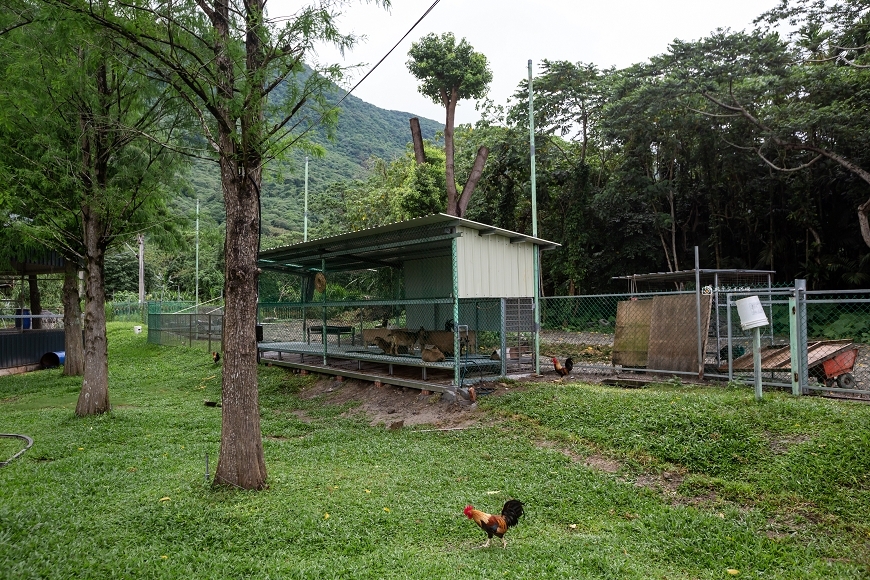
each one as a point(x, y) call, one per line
point(839, 369)
point(829, 361)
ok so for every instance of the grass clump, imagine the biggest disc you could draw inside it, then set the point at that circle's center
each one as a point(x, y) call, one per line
point(773, 490)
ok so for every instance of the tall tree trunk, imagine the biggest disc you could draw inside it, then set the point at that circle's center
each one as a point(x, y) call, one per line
point(74, 363)
point(35, 302)
point(449, 168)
point(94, 396)
point(417, 140)
point(241, 462)
point(471, 183)
point(673, 229)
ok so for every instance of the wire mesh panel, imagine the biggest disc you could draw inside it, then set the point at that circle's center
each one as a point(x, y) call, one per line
point(731, 356)
point(838, 341)
point(189, 329)
point(653, 332)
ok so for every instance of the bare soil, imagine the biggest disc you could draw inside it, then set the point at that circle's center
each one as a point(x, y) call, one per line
point(396, 407)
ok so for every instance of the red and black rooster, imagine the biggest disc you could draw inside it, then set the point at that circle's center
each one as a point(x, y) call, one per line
point(496, 525)
point(563, 370)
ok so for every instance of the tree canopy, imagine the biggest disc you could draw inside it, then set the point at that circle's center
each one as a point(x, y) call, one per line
point(449, 72)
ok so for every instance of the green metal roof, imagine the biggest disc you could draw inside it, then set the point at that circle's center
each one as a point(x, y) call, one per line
point(383, 246)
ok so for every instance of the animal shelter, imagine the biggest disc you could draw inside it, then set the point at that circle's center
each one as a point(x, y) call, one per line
point(431, 303)
point(30, 337)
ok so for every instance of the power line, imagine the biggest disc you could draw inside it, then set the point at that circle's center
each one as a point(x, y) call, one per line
point(425, 14)
point(352, 89)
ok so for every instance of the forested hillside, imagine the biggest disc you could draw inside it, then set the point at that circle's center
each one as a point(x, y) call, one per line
point(363, 132)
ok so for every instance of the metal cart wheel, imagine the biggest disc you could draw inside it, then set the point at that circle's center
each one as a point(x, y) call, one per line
point(846, 381)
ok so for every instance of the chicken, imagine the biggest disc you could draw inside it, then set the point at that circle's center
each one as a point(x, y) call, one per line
point(216, 357)
point(496, 525)
point(563, 370)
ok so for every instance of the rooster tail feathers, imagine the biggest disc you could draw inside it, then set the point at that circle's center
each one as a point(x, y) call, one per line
point(512, 511)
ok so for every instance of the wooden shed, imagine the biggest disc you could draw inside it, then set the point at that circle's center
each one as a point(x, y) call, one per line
point(449, 279)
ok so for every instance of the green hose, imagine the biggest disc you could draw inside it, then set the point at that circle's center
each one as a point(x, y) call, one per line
point(13, 436)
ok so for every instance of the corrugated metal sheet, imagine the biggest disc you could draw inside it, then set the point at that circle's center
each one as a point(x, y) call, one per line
point(20, 348)
point(492, 266)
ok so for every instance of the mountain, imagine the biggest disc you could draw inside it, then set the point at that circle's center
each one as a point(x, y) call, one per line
point(363, 131)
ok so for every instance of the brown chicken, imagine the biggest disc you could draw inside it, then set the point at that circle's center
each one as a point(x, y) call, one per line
point(563, 370)
point(216, 357)
point(496, 525)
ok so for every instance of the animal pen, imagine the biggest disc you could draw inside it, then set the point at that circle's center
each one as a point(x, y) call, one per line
point(432, 303)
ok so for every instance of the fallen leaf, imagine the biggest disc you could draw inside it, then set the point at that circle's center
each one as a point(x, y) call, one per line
point(572, 526)
point(733, 571)
point(326, 516)
point(386, 509)
point(166, 498)
point(493, 492)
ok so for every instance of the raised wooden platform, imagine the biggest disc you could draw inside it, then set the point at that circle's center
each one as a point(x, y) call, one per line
point(372, 364)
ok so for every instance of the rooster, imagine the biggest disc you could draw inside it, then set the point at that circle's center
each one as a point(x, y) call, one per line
point(216, 357)
point(496, 525)
point(563, 371)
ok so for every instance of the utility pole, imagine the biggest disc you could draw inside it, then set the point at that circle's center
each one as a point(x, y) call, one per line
point(140, 237)
point(196, 297)
point(536, 250)
point(305, 209)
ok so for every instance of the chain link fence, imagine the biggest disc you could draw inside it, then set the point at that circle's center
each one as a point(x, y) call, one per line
point(654, 332)
point(842, 320)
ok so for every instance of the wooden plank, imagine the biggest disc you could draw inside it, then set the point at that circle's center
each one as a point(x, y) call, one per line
point(631, 333)
point(673, 339)
point(778, 358)
point(392, 380)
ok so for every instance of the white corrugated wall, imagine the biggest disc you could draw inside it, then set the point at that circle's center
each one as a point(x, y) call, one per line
point(492, 267)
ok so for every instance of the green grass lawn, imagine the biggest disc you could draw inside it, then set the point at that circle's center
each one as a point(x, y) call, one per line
point(700, 482)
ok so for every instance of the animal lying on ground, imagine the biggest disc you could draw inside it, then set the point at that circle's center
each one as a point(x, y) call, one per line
point(383, 344)
point(431, 353)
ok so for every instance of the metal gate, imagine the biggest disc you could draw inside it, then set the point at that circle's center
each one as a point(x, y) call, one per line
point(816, 341)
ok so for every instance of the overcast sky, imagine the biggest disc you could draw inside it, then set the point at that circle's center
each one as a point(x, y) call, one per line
point(510, 32)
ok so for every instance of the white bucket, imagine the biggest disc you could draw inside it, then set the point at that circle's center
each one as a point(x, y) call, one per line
point(137, 329)
point(751, 313)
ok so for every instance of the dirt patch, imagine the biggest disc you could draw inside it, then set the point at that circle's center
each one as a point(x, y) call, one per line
point(781, 445)
point(601, 463)
point(396, 407)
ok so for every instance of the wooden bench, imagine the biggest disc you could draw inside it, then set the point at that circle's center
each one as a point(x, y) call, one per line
point(334, 330)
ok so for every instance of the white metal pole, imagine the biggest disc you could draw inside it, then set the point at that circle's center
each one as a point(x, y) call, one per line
point(196, 297)
point(305, 209)
point(536, 251)
point(756, 360)
point(141, 239)
point(698, 315)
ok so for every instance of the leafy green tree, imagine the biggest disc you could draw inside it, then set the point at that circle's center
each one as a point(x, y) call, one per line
point(90, 164)
point(799, 103)
point(450, 72)
point(225, 59)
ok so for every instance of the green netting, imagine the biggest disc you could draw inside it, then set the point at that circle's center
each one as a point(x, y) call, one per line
point(195, 330)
